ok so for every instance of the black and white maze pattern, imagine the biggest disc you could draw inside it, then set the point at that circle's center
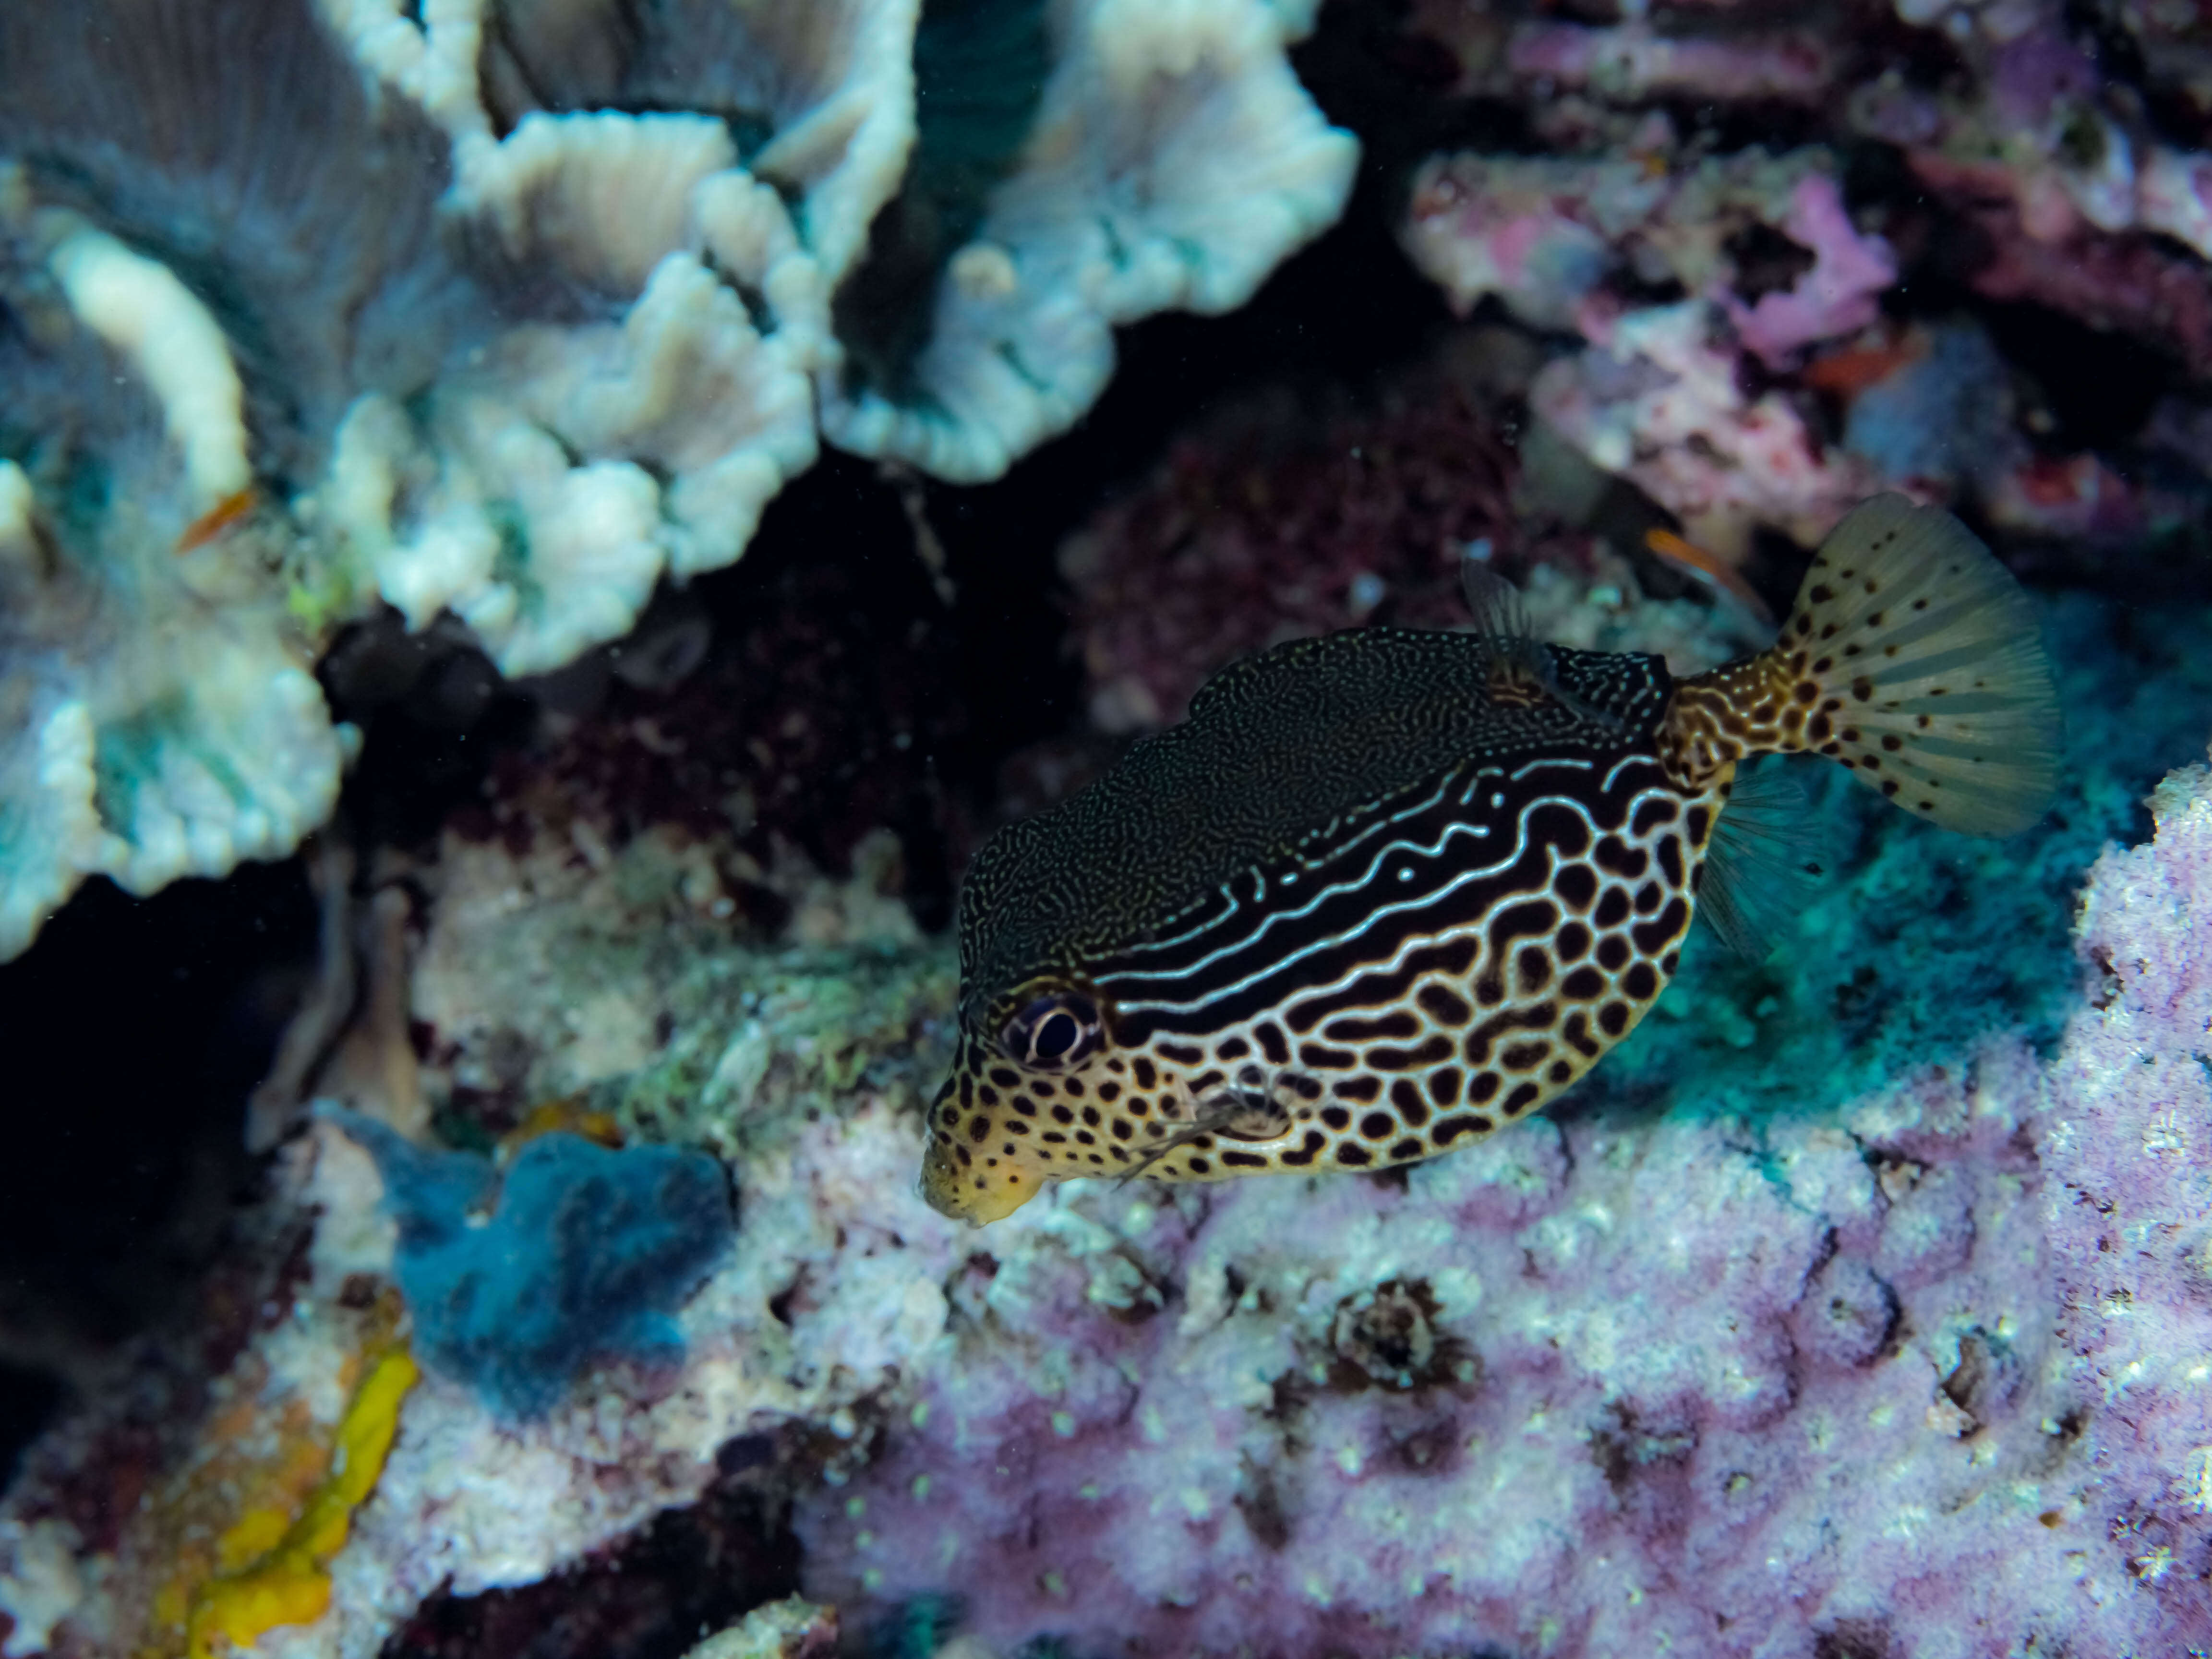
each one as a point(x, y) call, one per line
point(1441, 971)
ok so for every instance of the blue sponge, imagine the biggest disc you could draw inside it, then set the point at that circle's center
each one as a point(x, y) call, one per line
point(575, 1253)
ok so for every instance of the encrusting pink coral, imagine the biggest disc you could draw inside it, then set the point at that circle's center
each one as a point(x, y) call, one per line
point(1834, 298)
point(1633, 60)
point(1664, 395)
point(1546, 233)
point(2001, 150)
point(1657, 400)
point(2127, 1144)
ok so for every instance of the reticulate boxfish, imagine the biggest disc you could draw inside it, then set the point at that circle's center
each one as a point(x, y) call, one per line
point(1386, 892)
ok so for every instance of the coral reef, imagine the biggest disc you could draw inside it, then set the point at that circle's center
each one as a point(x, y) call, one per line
point(580, 1302)
point(980, 193)
point(1802, 1276)
point(1729, 294)
point(1885, 1398)
point(633, 981)
point(571, 351)
point(514, 1460)
point(1544, 233)
point(201, 1507)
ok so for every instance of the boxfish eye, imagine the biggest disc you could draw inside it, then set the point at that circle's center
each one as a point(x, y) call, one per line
point(1053, 1031)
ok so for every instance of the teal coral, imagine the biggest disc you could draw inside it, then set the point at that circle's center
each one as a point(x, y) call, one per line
point(516, 1278)
point(1891, 963)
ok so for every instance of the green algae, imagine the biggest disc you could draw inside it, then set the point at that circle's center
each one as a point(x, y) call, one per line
point(616, 986)
point(762, 1040)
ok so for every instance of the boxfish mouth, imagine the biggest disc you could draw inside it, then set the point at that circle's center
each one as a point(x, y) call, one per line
point(974, 1195)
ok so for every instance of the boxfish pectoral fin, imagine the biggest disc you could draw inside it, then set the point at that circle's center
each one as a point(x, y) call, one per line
point(1767, 859)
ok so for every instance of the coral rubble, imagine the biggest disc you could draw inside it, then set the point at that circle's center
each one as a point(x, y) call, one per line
point(160, 718)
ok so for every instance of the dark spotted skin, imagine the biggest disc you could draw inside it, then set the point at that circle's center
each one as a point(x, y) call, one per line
point(1419, 972)
point(1389, 1046)
point(1798, 696)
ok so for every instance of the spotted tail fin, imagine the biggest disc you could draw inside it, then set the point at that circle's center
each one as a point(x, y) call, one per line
point(1924, 671)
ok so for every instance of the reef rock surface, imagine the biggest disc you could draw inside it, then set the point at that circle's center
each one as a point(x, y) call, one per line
point(1922, 1375)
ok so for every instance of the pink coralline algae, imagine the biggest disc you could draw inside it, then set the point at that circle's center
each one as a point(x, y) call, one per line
point(2074, 205)
point(2129, 284)
point(1544, 233)
point(1537, 231)
point(1995, 152)
point(1657, 400)
point(2076, 202)
point(1834, 298)
point(1929, 1374)
point(1659, 396)
point(1634, 61)
point(2126, 1143)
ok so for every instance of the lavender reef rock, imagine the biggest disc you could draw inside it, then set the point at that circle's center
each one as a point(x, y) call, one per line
point(1927, 1375)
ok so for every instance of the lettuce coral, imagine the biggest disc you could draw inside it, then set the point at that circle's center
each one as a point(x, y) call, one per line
point(1171, 161)
point(482, 339)
point(159, 716)
point(540, 487)
point(983, 191)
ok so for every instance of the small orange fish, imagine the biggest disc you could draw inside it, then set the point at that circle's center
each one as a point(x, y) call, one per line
point(1852, 370)
point(1709, 569)
point(218, 519)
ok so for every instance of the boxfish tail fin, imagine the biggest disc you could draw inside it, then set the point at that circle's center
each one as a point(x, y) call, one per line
point(1917, 661)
